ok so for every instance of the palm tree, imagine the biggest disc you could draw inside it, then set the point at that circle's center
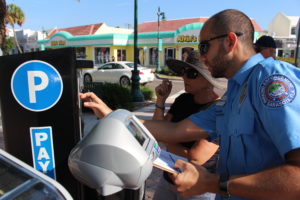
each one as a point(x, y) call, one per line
point(14, 16)
point(2, 23)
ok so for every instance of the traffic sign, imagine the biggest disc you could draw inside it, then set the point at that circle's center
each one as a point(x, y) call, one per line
point(36, 85)
point(42, 150)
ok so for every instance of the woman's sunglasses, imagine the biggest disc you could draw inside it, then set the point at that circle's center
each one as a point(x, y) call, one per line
point(190, 73)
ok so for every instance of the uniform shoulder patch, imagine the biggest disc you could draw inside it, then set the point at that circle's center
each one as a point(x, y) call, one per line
point(277, 90)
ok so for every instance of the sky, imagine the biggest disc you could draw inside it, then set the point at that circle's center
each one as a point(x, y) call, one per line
point(48, 14)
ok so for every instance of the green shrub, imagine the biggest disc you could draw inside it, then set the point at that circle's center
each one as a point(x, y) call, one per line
point(147, 92)
point(114, 95)
point(289, 60)
point(167, 71)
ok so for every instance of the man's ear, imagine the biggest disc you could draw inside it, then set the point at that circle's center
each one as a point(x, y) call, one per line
point(232, 40)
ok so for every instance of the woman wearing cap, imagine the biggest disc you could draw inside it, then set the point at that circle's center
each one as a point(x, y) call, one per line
point(202, 90)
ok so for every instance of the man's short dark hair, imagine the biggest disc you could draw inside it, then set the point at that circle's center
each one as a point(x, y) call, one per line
point(265, 41)
point(232, 20)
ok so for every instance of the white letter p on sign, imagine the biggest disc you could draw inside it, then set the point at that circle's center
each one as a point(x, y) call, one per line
point(40, 137)
point(31, 85)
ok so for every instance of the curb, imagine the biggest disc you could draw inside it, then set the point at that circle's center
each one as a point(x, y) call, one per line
point(161, 77)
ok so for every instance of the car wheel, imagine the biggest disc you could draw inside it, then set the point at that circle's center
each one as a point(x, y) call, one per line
point(124, 81)
point(87, 78)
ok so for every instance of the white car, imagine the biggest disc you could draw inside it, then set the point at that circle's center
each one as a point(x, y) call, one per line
point(118, 72)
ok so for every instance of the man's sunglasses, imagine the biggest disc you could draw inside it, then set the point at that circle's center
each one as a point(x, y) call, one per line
point(204, 45)
point(190, 73)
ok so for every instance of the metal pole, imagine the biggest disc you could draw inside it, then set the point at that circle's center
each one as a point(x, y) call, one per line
point(136, 93)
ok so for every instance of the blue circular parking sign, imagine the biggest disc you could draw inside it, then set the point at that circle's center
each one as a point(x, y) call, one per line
point(36, 85)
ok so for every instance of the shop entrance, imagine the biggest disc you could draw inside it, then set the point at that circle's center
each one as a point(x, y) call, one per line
point(170, 53)
point(121, 55)
point(102, 55)
point(185, 52)
point(153, 56)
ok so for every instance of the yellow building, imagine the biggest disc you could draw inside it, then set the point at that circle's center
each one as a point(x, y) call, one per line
point(101, 43)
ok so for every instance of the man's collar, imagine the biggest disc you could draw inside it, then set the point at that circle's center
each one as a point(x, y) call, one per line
point(244, 71)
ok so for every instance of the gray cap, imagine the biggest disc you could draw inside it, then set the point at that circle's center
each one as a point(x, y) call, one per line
point(193, 60)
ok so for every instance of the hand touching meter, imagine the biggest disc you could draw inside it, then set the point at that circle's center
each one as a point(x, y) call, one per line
point(118, 153)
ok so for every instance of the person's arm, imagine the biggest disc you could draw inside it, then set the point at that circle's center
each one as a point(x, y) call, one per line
point(162, 91)
point(177, 149)
point(183, 131)
point(163, 131)
point(202, 151)
point(281, 182)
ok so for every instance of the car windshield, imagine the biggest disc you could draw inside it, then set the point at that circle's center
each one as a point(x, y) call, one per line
point(130, 64)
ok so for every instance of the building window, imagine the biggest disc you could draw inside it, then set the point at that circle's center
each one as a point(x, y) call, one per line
point(185, 52)
point(279, 43)
point(293, 31)
point(121, 55)
point(80, 52)
point(102, 55)
point(169, 54)
point(153, 56)
point(292, 54)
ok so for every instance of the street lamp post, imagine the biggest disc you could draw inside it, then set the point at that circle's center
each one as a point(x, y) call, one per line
point(162, 16)
point(137, 96)
point(136, 93)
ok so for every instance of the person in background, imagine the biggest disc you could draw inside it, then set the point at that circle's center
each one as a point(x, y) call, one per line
point(202, 90)
point(185, 55)
point(266, 46)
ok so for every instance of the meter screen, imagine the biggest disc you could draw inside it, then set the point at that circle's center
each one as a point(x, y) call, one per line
point(136, 133)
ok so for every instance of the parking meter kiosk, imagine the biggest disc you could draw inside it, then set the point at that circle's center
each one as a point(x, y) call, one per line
point(117, 154)
point(40, 112)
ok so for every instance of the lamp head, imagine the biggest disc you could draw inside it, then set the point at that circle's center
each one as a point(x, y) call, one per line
point(163, 17)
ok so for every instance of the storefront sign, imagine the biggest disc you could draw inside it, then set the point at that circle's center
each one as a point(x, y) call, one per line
point(186, 38)
point(58, 43)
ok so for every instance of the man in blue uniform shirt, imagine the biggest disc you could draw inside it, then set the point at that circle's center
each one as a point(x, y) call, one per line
point(256, 120)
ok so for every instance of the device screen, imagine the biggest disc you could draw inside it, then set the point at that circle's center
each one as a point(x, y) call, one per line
point(136, 133)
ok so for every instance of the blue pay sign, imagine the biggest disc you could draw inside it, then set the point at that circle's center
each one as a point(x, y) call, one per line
point(42, 150)
point(36, 85)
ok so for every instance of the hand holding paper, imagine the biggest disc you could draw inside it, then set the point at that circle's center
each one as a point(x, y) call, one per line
point(166, 161)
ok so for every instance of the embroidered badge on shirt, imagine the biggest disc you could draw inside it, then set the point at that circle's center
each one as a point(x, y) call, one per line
point(277, 90)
